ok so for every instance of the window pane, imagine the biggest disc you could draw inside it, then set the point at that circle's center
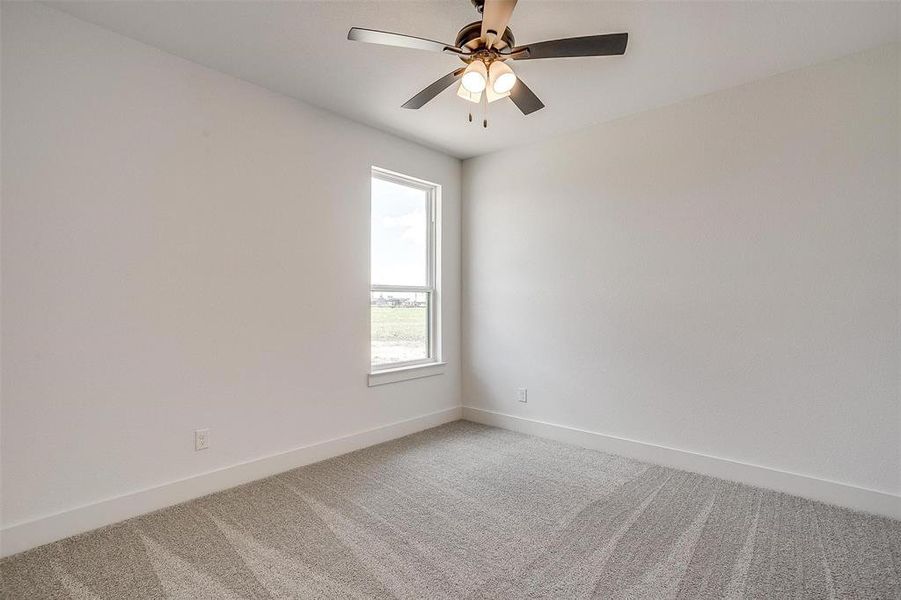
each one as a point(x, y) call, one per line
point(399, 226)
point(400, 327)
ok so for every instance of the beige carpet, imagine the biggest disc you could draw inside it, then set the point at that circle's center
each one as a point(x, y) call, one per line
point(467, 511)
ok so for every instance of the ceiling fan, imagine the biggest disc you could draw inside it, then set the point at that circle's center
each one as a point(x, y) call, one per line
point(485, 46)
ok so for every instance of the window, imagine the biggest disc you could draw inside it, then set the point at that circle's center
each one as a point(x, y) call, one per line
point(404, 292)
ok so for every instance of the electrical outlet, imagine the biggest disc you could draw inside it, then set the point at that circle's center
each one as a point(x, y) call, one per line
point(522, 394)
point(201, 439)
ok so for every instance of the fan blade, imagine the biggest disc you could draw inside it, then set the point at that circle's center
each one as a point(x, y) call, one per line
point(591, 45)
point(420, 99)
point(524, 98)
point(386, 38)
point(495, 15)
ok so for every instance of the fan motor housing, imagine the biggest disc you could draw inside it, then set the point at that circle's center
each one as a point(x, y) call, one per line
point(469, 36)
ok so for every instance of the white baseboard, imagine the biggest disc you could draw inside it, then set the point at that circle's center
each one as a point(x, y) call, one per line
point(840, 494)
point(23, 536)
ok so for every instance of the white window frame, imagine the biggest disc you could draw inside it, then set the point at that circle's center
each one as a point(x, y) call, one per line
point(425, 367)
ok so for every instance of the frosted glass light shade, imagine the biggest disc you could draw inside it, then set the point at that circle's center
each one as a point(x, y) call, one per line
point(501, 77)
point(491, 95)
point(467, 95)
point(475, 77)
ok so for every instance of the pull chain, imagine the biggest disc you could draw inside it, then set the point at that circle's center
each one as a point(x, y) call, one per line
point(485, 110)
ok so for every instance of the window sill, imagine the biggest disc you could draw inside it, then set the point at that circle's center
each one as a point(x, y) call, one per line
point(406, 373)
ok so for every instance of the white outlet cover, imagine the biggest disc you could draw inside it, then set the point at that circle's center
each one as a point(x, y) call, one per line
point(201, 439)
point(522, 394)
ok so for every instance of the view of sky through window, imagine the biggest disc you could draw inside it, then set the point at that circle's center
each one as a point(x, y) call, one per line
point(398, 234)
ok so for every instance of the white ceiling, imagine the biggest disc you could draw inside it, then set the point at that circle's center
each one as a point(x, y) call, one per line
point(677, 50)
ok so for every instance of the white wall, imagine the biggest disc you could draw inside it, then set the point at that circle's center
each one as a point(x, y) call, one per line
point(182, 249)
point(719, 276)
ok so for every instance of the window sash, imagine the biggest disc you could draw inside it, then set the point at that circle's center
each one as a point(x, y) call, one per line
point(430, 345)
point(431, 320)
point(430, 190)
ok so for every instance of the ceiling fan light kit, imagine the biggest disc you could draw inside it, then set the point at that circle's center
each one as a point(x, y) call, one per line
point(485, 52)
